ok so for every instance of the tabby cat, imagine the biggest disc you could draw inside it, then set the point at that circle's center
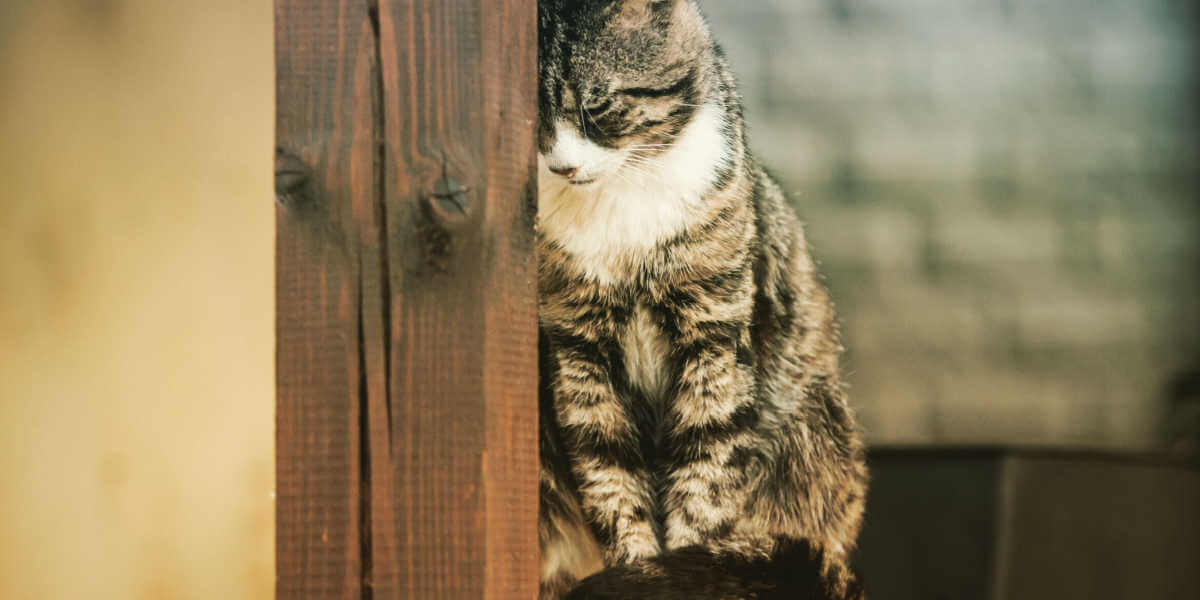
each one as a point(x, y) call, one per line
point(695, 439)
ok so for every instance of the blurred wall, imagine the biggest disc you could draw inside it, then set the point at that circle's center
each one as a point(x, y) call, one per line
point(136, 295)
point(1004, 197)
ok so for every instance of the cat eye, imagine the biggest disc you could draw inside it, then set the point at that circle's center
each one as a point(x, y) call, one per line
point(675, 88)
point(598, 106)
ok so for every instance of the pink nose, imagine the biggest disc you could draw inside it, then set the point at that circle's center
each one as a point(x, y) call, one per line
point(567, 172)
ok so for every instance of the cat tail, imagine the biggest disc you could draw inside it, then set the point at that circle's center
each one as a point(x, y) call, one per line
point(794, 571)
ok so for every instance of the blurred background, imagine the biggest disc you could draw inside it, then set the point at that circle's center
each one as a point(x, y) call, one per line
point(136, 295)
point(1003, 194)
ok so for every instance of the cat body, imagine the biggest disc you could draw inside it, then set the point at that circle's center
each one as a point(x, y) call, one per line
point(695, 436)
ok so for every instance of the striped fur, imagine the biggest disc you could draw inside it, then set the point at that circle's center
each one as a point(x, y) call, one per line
point(693, 416)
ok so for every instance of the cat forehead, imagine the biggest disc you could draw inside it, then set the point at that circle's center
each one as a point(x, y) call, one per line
point(613, 27)
point(631, 19)
point(609, 9)
point(628, 39)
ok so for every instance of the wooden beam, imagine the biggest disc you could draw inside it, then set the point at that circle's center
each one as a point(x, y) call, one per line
point(406, 443)
point(323, 170)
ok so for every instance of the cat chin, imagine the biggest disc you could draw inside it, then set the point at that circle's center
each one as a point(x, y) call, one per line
point(621, 215)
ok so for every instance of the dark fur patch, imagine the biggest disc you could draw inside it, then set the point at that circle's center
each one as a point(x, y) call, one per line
point(793, 572)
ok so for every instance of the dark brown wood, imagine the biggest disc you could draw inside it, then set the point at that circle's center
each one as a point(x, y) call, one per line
point(406, 442)
point(320, 125)
point(459, 124)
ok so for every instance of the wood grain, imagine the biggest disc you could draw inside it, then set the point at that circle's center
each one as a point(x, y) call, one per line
point(460, 104)
point(320, 121)
point(406, 308)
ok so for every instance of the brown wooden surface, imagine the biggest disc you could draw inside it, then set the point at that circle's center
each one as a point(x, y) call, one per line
point(406, 443)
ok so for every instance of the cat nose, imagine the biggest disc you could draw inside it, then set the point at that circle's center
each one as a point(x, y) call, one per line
point(567, 172)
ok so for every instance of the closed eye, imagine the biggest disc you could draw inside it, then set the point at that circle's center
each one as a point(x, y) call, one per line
point(599, 108)
point(674, 89)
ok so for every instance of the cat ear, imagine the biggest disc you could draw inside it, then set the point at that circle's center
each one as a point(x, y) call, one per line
point(645, 4)
point(636, 10)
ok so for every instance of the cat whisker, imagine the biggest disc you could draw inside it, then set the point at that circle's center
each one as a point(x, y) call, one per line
point(558, 197)
point(645, 172)
point(582, 122)
point(647, 167)
point(636, 166)
point(643, 161)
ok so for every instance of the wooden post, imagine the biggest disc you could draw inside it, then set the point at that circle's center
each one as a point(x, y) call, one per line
point(406, 310)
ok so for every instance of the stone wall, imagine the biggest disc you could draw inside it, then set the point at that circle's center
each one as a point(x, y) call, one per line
point(1004, 197)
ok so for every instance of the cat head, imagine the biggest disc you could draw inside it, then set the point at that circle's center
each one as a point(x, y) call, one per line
point(619, 80)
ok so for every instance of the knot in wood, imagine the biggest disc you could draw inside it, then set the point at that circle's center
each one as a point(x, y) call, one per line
point(449, 199)
point(292, 177)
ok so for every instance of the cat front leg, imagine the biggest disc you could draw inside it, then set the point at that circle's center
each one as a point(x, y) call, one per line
point(602, 441)
point(710, 436)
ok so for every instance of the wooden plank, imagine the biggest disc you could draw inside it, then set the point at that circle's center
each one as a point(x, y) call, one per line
point(459, 99)
point(406, 443)
point(509, 83)
point(325, 171)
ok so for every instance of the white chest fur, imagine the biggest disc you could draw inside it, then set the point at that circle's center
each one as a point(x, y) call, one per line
point(636, 203)
point(645, 348)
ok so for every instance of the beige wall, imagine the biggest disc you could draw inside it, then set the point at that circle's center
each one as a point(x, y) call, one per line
point(136, 303)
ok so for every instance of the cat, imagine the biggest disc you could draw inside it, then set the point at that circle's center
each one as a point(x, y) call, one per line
point(695, 437)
